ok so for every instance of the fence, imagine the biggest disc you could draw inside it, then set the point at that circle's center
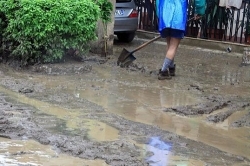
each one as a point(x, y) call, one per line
point(218, 23)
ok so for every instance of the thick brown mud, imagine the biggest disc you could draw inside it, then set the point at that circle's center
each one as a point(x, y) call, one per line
point(49, 131)
point(95, 110)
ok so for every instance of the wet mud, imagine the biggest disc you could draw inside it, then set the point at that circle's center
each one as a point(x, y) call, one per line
point(243, 121)
point(120, 152)
point(213, 104)
point(54, 104)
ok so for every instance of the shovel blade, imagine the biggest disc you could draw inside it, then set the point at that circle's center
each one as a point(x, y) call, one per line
point(125, 58)
point(124, 54)
point(127, 61)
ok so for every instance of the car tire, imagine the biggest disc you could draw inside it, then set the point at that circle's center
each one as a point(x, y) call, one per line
point(126, 37)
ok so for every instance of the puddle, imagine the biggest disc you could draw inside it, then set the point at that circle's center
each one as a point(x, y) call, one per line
point(31, 153)
point(145, 105)
point(101, 132)
point(96, 130)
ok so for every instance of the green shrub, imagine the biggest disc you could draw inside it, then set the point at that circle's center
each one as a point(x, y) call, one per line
point(106, 8)
point(41, 30)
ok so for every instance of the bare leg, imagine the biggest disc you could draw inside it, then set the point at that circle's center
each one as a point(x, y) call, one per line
point(168, 64)
point(170, 54)
point(171, 66)
point(172, 47)
point(168, 43)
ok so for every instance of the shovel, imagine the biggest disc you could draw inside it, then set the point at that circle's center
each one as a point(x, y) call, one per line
point(126, 57)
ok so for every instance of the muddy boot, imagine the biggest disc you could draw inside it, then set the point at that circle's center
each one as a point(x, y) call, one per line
point(172, 71)
point(164, 75)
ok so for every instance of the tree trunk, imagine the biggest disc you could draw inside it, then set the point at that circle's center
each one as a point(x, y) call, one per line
point(104, 44)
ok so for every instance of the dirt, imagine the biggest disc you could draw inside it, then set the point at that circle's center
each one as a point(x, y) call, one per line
point(213, 104)
point(243, 121)
point(23, 121)
point(32, 125)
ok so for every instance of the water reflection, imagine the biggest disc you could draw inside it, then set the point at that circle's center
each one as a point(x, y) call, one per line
point(160, 151)
point(161, 155)
point(101, 132)
point(229, 77)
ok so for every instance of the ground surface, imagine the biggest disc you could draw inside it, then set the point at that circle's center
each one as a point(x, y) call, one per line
point(96, 110)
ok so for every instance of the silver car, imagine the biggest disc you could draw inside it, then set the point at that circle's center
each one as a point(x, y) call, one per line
point(126, 20)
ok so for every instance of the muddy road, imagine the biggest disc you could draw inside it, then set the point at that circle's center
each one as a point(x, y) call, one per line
point(92, 112)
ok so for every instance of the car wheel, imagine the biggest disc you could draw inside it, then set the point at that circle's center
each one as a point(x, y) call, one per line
point(126, 37)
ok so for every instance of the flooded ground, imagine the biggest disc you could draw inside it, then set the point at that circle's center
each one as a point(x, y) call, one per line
point(96, 113)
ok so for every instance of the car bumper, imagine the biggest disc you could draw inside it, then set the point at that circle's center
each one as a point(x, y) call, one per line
point(125, 24)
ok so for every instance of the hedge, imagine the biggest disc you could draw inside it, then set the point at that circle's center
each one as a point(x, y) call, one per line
point(41, 30)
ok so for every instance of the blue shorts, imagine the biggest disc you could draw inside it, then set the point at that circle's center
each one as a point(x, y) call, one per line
point(175, 33)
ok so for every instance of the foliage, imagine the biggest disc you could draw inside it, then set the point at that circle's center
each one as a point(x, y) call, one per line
point(41, 30)
point(106, 8)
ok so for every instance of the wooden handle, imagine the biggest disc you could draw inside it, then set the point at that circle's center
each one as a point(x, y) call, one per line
point(145, 44)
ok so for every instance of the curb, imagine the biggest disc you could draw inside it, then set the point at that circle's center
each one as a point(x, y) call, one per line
point(202, 43)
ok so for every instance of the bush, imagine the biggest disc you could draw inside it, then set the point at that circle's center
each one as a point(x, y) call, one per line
point(41, 30)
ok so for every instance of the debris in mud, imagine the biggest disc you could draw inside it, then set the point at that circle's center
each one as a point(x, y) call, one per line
point(26, 90)
point(216, 88)
point(137, 67)
point(197, 87)
point(220, 117)
point(62, 70)
point(154, 72)
point(201, 108)
point(22, 85)
point(243, 121)
point(95, 59)
point(20, 153)
point(214, 103)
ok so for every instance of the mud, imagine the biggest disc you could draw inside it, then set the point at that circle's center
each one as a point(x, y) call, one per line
point(213, 104)
point(244, 121)
point(75, 90)
point(119, 152)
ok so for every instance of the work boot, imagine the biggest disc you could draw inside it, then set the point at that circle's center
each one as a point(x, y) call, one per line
point(164, 75)
point(172, 71)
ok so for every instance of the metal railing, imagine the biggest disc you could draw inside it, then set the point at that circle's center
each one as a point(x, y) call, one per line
point(218, 23)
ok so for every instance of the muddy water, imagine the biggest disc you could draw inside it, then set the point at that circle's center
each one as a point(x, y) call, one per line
point(144, 103)
point(140, 102)
point(28, 152)
point(142, 98)
point(97, 130)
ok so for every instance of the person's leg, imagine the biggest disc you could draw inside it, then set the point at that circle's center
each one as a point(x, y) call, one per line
point(168, 42)
point(171, 51)
point(173, 38)
point(172, 65)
